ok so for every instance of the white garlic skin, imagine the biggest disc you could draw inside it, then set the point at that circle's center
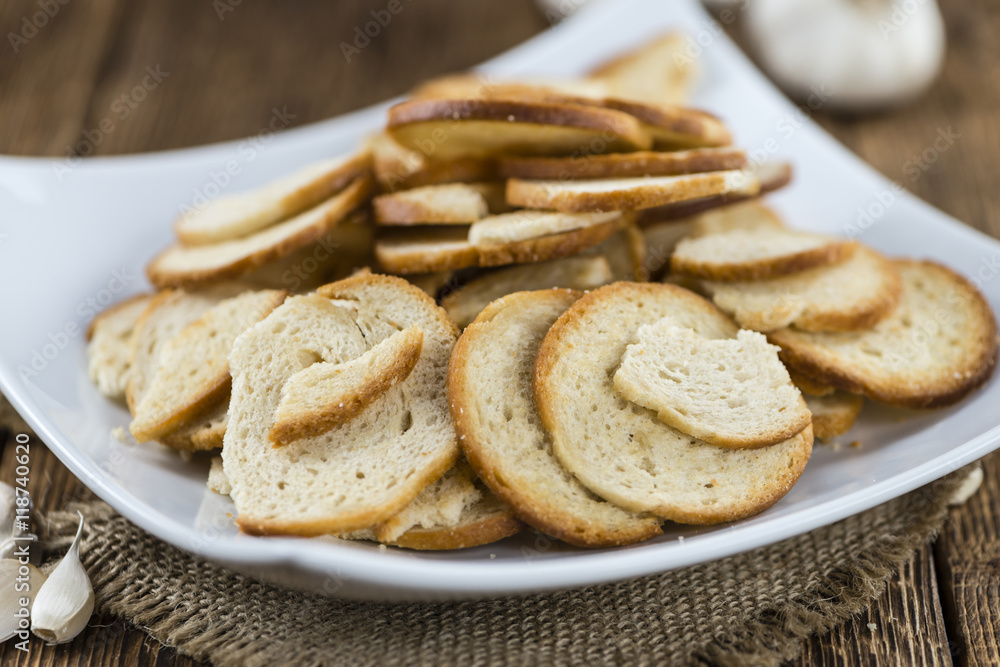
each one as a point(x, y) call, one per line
point(857, 54)
point(65, 603)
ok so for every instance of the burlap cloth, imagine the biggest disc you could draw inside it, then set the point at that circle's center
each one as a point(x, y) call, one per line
point(754, 608)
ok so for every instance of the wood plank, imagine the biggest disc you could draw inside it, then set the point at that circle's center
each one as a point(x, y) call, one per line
point(227, 74)
point(48, 73)
point(908, 626)
point(968, 558)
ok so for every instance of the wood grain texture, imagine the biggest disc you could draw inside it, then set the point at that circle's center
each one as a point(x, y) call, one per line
point(229, 70)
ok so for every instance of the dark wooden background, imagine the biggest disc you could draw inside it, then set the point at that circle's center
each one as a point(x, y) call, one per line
point(231, 62)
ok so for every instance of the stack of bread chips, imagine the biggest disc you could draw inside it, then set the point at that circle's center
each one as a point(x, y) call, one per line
point(580, 399)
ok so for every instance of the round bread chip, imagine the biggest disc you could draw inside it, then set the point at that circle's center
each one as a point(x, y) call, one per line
point(623, 165)
point(397, 167)
point(445, 204)
point(848, 296)
point(756, 254)
point(452, 129)
point(938, 345)
point(197, 266)
point(674, 127)
point(622, 452)
point(489, 389)
point(626, 194)
point(431, 250)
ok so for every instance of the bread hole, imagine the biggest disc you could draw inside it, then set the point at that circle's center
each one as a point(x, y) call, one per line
point(407, 422)
point(359, 475)
point(709, 486)
point(281, 486)
point(870, 352)
point(647, 465)
point(278, 327)
point(307, 358)
point(312, 471)
point(508, 413)
point(410, 473)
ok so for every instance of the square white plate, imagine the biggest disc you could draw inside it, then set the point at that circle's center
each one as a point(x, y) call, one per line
point(72, 240)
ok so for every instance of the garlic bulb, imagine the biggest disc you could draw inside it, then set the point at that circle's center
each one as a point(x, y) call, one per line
point(65, 602)
point(20, 583)
point(850, 54)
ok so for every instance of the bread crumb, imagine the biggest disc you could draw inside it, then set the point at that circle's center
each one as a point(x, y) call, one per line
point(835, 446)
point(119, 433)
point(856, 444)
point(492, 556)
point(680, 538)
point(872, 627)
point(186, 455)
point(382, 547)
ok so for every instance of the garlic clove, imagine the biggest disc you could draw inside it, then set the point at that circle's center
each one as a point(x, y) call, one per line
point(20, 583)
point(65, 602)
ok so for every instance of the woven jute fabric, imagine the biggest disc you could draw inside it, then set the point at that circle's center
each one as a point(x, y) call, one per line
point(751, 609)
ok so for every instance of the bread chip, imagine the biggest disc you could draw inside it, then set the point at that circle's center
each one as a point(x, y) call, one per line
point(217, 480)
point(757, 254)
point(108, 337)
point(938, 345)
point(452, 513)
point(192, 368)
point(770, 176)
point(327, 394)
point(622, 452)
point(362, 472)
point(452, 129)
point(851, 295)
point(489, 387)
point(194, 266)
point(623, 165)
point(749, 215)
point(625, 194)
point(448, 204)
point(731, 392)
point(674, 127)
point(809, 386)
point(626, 254)
point(579, 273)
point(470, 85)
point(203, 434)
point(525, 224)
point(835, 414)
point(660, 71)
point(431, 250)
point(235, 216)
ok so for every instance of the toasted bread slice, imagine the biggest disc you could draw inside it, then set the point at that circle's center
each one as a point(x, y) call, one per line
point(452, 129)
point(625, 194)
point(624, 165)
point(235, 216)
point(108, 337)
point(579, 273)
point(447, 204)
point(622, 452)
point(731, 392)
point(809, 386)
point(757, 254)
point(366, 470)
point(165, 316)
point(452, 513)
point(192, 370)
point(749, 216)
point(204, 434)
point(193, 266)
point(771, 176)
point(938, 345)
point(626, 254)
point(489, 387)
point(470, 85)
point(526, 224)
point(851, 295)
point(326, 394)
point(431, 250)
point(835, 414)
point(674, 127)
point(659, 72)
point(400, 168)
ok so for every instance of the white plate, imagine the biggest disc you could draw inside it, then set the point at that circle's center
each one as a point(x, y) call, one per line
point(69, 240)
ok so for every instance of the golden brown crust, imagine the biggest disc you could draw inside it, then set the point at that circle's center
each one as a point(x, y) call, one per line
point(485, 531)
point(459, 255)
point(523, 502)
point(632, 196)
point(623, 165)
point(207, 436)
point(353, 196)
point(111, 310)
point(319, 421)
point(814, 361)
point(158, 299)
point(808, 385)
point(830, 253)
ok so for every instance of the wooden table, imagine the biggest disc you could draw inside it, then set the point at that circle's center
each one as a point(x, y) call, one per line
point(225, 65)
